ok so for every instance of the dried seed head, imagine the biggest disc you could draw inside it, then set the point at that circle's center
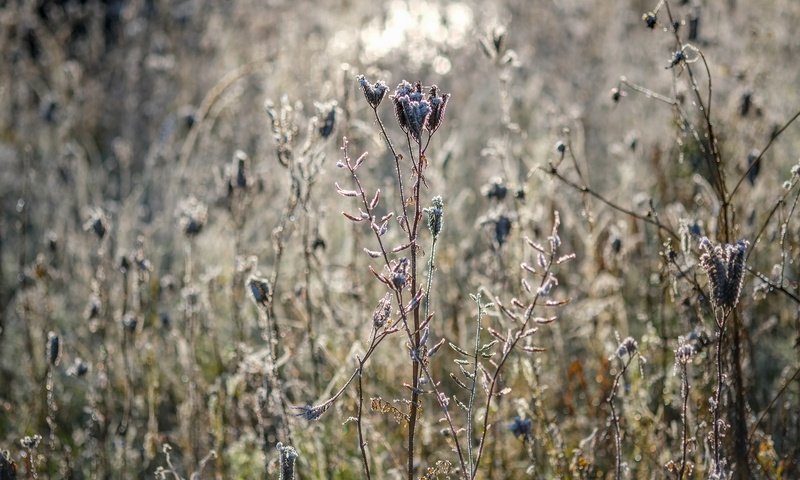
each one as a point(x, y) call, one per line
point(435, 213)
point(31, 442)
point(438, 104)
point(684, 354)
point(495, 189)
point(616, 94)
point(97, 223)
point(53, 348)
point(326, 113)
point(193, 216)
point(411, 109)
point(724, 266)
point(374, 93)
point(382, 312)
point(288, 457)
point(650, 19)
point(310, 412)
point(129, 322)
point(502, 229)
point(259, 289)
point(78, 369)
point(627, 347)
point(520, 427)
point(93, 306)
point(677, 57)
point(238, 175)
point(400, 273)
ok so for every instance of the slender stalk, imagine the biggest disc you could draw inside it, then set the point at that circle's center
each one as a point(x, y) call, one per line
point(471, 403)
point(430, 277)
point(721, 323)
point(684, 418)
point(615, 419)
point(412, 421)
point(361, 443)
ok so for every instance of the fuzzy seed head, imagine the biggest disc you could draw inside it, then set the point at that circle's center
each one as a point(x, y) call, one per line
point(724, 266)
point(435, 214)
point(627, 347)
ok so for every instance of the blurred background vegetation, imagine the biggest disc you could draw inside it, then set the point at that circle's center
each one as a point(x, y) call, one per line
point(114, 113)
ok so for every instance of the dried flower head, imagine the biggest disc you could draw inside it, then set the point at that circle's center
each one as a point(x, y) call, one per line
point(502, 229)
point(650, 19)
point(495, 189)
point(326, 115)
point(237, 174)
point(193, 216)
point(53, 348)
point(677, 58)
point(310, 412)
point(627, 347)
point(438, 104)
point(374, 93)
point(411, 109)
point(31, 442)
point(724, 266)
point(129, 322)
point(382, 312)
point(97, 223)
point(79, 368)
point(520, 427)
point(259, 289)
point(684, 354)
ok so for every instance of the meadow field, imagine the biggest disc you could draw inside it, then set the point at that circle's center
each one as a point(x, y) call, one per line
point(399, 240)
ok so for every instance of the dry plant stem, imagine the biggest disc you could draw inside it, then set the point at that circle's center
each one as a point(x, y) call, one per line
point(273, 379)
point(450, 424)
point(414, 336)
point(309, 311)
point(778, 395)
point(586, 189)
point(615, 418)
point(52, 408)
point(397, 158)
point(471, 403)
point(784, 228)
point(722, 319)
point(496, 375)
point(278, 246)
point(226, 82)
point(193, 374)
point(684, 418)
point(412, 236)
point(361, 442)
point(757, 161)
